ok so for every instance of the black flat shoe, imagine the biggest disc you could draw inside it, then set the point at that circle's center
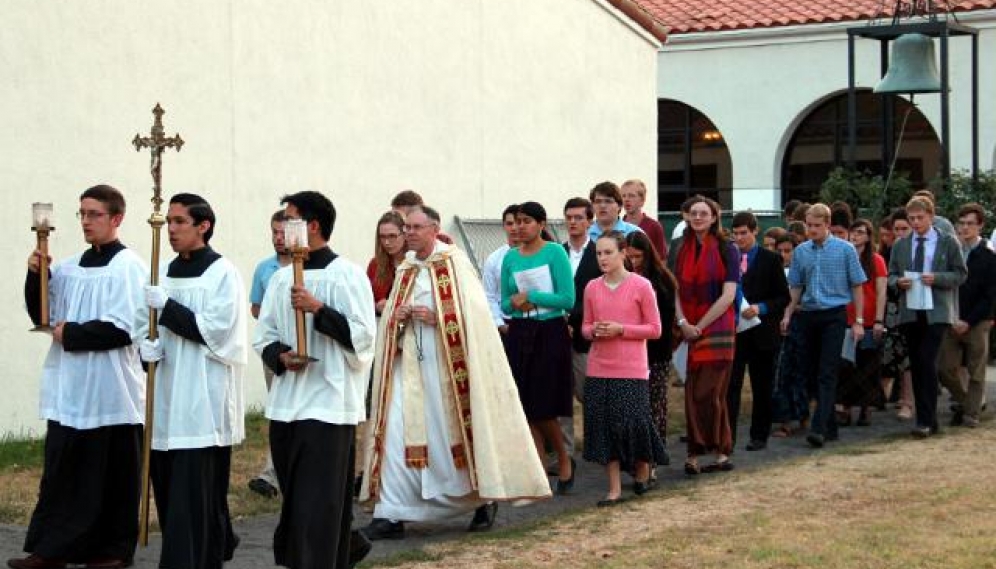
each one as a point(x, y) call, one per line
point(609, 502)
point(815, 440)
point(263, 488)
point(640, 488)
point(380, 528)
point(719, 466)
point(484, 517)
point(565, 486)
point(756, 444)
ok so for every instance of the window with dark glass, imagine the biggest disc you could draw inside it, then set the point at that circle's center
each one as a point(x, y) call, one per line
point(692, 157)
point(819, 144)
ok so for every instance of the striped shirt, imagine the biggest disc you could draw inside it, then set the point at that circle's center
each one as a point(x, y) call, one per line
point(826, 273)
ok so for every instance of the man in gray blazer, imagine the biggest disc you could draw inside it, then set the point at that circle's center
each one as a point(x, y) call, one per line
point(935, 258)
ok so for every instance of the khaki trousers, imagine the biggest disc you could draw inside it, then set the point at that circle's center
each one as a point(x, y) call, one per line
point(972, 349)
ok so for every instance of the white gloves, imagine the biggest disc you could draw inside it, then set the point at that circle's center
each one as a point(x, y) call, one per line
point(155, 297)
point(150, 350)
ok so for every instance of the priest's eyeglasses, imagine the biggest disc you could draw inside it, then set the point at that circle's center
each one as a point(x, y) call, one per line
point(90, 215)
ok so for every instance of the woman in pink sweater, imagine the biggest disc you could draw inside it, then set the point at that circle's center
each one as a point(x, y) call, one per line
point(620, 315)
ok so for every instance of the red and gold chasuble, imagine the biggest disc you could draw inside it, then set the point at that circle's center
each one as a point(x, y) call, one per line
point(451, 338)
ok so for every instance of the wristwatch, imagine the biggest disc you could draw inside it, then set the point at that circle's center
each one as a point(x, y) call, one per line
point(682, 322)
point(859, 320)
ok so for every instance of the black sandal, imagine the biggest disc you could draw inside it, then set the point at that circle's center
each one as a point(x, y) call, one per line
point(692, 468)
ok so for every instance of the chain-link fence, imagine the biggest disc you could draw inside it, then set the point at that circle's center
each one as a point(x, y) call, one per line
point(480, 237)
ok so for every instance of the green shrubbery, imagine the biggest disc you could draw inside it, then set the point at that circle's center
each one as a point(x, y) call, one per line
point(868, 196)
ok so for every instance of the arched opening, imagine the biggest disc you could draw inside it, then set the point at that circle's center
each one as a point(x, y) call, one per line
point(692, 157)
point(819, 143)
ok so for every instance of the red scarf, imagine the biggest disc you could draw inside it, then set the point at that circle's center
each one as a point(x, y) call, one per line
point(700, 284)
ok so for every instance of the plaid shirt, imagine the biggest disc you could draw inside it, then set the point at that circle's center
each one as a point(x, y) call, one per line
point(825, 273)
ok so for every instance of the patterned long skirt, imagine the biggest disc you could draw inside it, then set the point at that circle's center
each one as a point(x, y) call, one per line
point(617, 423)
point(658, 396)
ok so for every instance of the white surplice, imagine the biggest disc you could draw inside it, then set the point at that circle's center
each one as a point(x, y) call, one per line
point(90, 389)
point(332, 389)
point(199, 387)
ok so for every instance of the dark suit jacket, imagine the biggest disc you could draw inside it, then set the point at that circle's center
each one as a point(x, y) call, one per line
point(587, 271)
point(765, 282)
point(977, 295)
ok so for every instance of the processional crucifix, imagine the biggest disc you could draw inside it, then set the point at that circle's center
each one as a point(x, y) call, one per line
point(156, 142)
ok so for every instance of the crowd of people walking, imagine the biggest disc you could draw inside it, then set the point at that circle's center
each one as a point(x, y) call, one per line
point(428, 390)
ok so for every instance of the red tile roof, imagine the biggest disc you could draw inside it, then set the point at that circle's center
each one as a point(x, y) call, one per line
point(689, 16)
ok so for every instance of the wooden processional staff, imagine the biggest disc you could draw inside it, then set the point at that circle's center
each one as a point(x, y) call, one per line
point(296, 241)
point(41, 224)
point(156, 142)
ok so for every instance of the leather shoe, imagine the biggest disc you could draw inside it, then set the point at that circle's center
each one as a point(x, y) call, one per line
point(359, 547)
point(815, 440)
point(756, 444)
point(34, 561)
point(380, 528)
point(484, 517)
point(262, 487)
point(921, 432)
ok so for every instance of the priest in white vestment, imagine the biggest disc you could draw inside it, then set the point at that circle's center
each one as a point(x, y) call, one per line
point(199, 402)
point(447, 435)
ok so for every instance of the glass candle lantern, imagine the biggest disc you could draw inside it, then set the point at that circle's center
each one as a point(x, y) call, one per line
point(296, 234)
point(41, 216)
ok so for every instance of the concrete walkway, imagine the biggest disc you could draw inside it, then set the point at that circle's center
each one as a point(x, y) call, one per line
point(256, 533)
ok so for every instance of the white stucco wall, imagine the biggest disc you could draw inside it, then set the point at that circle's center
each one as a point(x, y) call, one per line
point(475, 104)
point(757, 85)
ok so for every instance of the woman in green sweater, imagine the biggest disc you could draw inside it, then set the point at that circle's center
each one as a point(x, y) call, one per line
point(537, 290)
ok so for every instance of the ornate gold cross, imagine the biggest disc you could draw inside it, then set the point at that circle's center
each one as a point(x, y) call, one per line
point(157, 142)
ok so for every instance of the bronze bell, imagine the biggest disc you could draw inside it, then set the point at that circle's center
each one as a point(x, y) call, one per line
point(913, 68)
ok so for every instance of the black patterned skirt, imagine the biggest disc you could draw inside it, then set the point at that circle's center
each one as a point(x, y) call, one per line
point(658, 396)
point(618, 425)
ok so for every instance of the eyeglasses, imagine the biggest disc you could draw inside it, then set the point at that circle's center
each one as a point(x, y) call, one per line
point(90, 215)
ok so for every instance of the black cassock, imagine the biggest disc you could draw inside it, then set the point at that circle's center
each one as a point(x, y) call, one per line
point(191, 485)
point(88, 496)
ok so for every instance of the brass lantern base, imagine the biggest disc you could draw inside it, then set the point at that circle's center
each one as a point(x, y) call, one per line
point(298, 359)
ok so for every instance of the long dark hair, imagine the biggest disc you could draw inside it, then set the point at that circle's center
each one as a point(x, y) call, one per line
point(653, 269)
point(866, 254)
